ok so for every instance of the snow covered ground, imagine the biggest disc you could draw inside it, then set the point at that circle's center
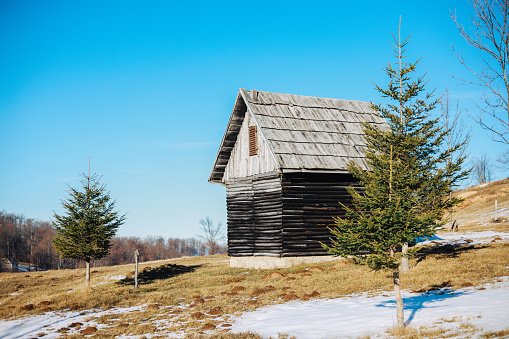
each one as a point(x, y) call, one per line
point(51, 322)
point(356, 315)
point(359, 315)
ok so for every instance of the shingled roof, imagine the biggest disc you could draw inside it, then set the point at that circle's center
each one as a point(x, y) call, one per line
point(303, 133)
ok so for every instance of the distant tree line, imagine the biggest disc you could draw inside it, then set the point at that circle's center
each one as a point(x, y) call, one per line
point(30, 241)
point(27, 240)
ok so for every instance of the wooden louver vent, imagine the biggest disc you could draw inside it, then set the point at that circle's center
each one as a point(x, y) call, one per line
point(253, 142)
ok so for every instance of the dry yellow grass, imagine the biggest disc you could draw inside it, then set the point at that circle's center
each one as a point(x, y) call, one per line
point(477, 212)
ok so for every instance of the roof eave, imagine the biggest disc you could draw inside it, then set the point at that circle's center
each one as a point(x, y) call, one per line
point(217, 175)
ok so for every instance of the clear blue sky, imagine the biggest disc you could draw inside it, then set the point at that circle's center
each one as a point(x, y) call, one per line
point(146, 89)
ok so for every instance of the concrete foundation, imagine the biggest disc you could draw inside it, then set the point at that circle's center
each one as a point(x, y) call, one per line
point(265, 262)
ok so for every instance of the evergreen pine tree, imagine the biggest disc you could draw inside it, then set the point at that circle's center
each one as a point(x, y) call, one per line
point(406, 189)
point(85, 230)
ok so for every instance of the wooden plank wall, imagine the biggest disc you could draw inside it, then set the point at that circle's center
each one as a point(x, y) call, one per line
point(310, 201)
point(241, 164)
point(254, 207)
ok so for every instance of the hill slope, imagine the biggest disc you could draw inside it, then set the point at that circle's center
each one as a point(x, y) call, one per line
point(477, 212)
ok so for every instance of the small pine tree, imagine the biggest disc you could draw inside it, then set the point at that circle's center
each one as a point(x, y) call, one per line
point(406, 189)
point(84, 232)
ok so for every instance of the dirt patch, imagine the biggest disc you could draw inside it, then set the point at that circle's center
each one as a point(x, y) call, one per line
point(301, 271)
point(215, 311)
point(252, 302)
point(198, 315)
point(88, 330)
point(315, 269)
point(238, 288)
point(288, 296)
point(45, 303)
point(207, 327)
point(447, 283)
point(259, 291)
point(342, 263)
point(233, 281)
point(75, 325)
point(313, 294)
point(273, 275)
point(467, 284)
point(28, 307)
point(198, 299)
point(75, 307)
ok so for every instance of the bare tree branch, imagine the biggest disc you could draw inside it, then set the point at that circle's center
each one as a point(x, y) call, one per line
point(490, 35)
point(482, 170)
point(211, 234)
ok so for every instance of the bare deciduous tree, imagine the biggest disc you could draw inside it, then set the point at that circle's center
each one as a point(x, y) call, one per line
point(503, 160)
point(482, 169)
point(490, 35)
point(458, 135)
point(211, 234)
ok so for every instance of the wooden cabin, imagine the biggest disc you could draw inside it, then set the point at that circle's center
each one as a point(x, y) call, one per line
point(8, 265)
point(283, 160)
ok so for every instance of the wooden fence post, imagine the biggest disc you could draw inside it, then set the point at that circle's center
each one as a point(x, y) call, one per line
point(136, 259)
point(496, 212)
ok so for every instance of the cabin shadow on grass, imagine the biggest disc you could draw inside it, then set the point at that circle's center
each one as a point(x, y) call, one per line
point(446, 251)
point(148, 276)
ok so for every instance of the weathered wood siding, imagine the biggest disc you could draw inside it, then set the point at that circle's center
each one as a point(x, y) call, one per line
point(310, 201)
point(254, 207)
point(284, 215)
point(240, 164)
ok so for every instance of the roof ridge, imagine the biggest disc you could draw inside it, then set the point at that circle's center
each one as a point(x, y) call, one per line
point(302, 96)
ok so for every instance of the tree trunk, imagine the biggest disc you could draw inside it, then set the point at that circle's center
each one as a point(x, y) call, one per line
point(399, 301)
point(404, 259)
point(87, 272)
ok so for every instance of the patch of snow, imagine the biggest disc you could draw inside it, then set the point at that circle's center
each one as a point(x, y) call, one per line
point(50, 322)
point(113, 277)
point(472, 238)
point(363, 315)
point(117, 277)
point(16, 293)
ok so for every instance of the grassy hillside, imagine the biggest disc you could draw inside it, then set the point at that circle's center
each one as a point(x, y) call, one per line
point(477, 212)
point(203, 293)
